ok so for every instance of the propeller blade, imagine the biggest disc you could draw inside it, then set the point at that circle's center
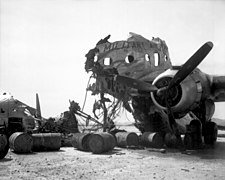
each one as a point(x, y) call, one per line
point(191, 64)
point(137, 84)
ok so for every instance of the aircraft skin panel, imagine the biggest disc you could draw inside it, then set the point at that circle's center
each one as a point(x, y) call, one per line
point(9, 105)
point(134, 58)
point(218, 88)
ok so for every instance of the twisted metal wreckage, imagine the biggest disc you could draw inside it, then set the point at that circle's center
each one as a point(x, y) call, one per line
point(133, 58)
point(139, 75)
point(136, 75)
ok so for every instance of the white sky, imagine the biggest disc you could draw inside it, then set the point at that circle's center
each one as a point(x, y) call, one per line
point(43, 42)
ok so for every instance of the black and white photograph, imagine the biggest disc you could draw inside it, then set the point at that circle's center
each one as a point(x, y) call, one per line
point(112, 89)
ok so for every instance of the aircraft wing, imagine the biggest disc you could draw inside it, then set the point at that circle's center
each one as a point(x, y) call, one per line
point(10, 104)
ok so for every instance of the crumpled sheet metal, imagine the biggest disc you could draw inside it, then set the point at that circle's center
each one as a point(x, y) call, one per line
point(141, 53)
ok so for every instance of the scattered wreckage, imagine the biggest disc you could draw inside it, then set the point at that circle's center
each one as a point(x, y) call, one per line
point(136, 75)
point(23, 129)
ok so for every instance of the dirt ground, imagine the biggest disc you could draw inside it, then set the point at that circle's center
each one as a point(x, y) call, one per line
point(69, 163)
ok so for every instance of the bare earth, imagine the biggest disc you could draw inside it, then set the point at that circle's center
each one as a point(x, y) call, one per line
point(69, 163)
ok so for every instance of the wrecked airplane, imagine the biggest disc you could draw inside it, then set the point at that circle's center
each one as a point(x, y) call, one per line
point(23, 129)
point(15, 116)
point(139, 75)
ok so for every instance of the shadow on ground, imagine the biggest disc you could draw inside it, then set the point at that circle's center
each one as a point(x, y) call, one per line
point(6, 159)
point(216, 151)
point(212, 152)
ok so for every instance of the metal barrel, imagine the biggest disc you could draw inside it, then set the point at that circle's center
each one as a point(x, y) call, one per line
point(46, 141)
point(125, 139)
point(21, 142)
point(152, 139)
point(101, 142)
point(114, 134)
point(80, 141)
point(4, 146)
point(171, 140)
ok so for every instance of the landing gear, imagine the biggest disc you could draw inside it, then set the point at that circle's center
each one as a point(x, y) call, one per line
point(193, 136)
point(210, 133)
point(188, 141)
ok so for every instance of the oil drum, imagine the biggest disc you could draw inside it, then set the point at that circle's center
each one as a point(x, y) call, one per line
point(101, 142)
point(172, 141)
point(125, 139)
point(20, 142)
point(80, 141)
point(4, 146)
point(46, 141)
point(152, 139)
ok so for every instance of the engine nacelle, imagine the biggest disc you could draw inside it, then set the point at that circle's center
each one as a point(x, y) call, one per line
point(182, 98)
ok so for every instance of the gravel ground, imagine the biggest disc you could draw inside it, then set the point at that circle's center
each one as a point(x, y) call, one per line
point(69, 163)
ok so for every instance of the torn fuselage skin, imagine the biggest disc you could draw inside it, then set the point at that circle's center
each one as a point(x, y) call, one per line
point(137, 58)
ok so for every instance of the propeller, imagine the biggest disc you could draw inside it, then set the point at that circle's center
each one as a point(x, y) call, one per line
point(191, 64)
point(185, 70)
point(135, 83)
point(188, 67)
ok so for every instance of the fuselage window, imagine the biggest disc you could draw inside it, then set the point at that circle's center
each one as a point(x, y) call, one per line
point(107, 61)
point(147, 57)
point(129, 59)
point(156, 58)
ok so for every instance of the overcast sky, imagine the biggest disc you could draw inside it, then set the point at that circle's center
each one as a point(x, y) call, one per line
point(43, 42)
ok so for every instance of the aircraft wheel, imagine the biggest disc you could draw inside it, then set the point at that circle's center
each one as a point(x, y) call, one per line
point(211, 132)
point(196, 133)
point(4, 146)
point(196, 126)
point(188, 141)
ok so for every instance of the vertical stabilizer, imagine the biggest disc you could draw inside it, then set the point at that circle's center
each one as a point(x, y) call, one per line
point(38, 108)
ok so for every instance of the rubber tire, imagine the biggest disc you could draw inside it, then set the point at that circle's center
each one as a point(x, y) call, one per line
point(211, 131)
point(188, 141)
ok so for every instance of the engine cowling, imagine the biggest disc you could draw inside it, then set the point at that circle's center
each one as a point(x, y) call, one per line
point(182, 98)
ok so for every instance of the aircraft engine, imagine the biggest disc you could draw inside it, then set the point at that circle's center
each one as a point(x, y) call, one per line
point(181, 98)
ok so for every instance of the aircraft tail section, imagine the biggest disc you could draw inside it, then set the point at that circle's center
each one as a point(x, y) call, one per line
point(38, 108)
